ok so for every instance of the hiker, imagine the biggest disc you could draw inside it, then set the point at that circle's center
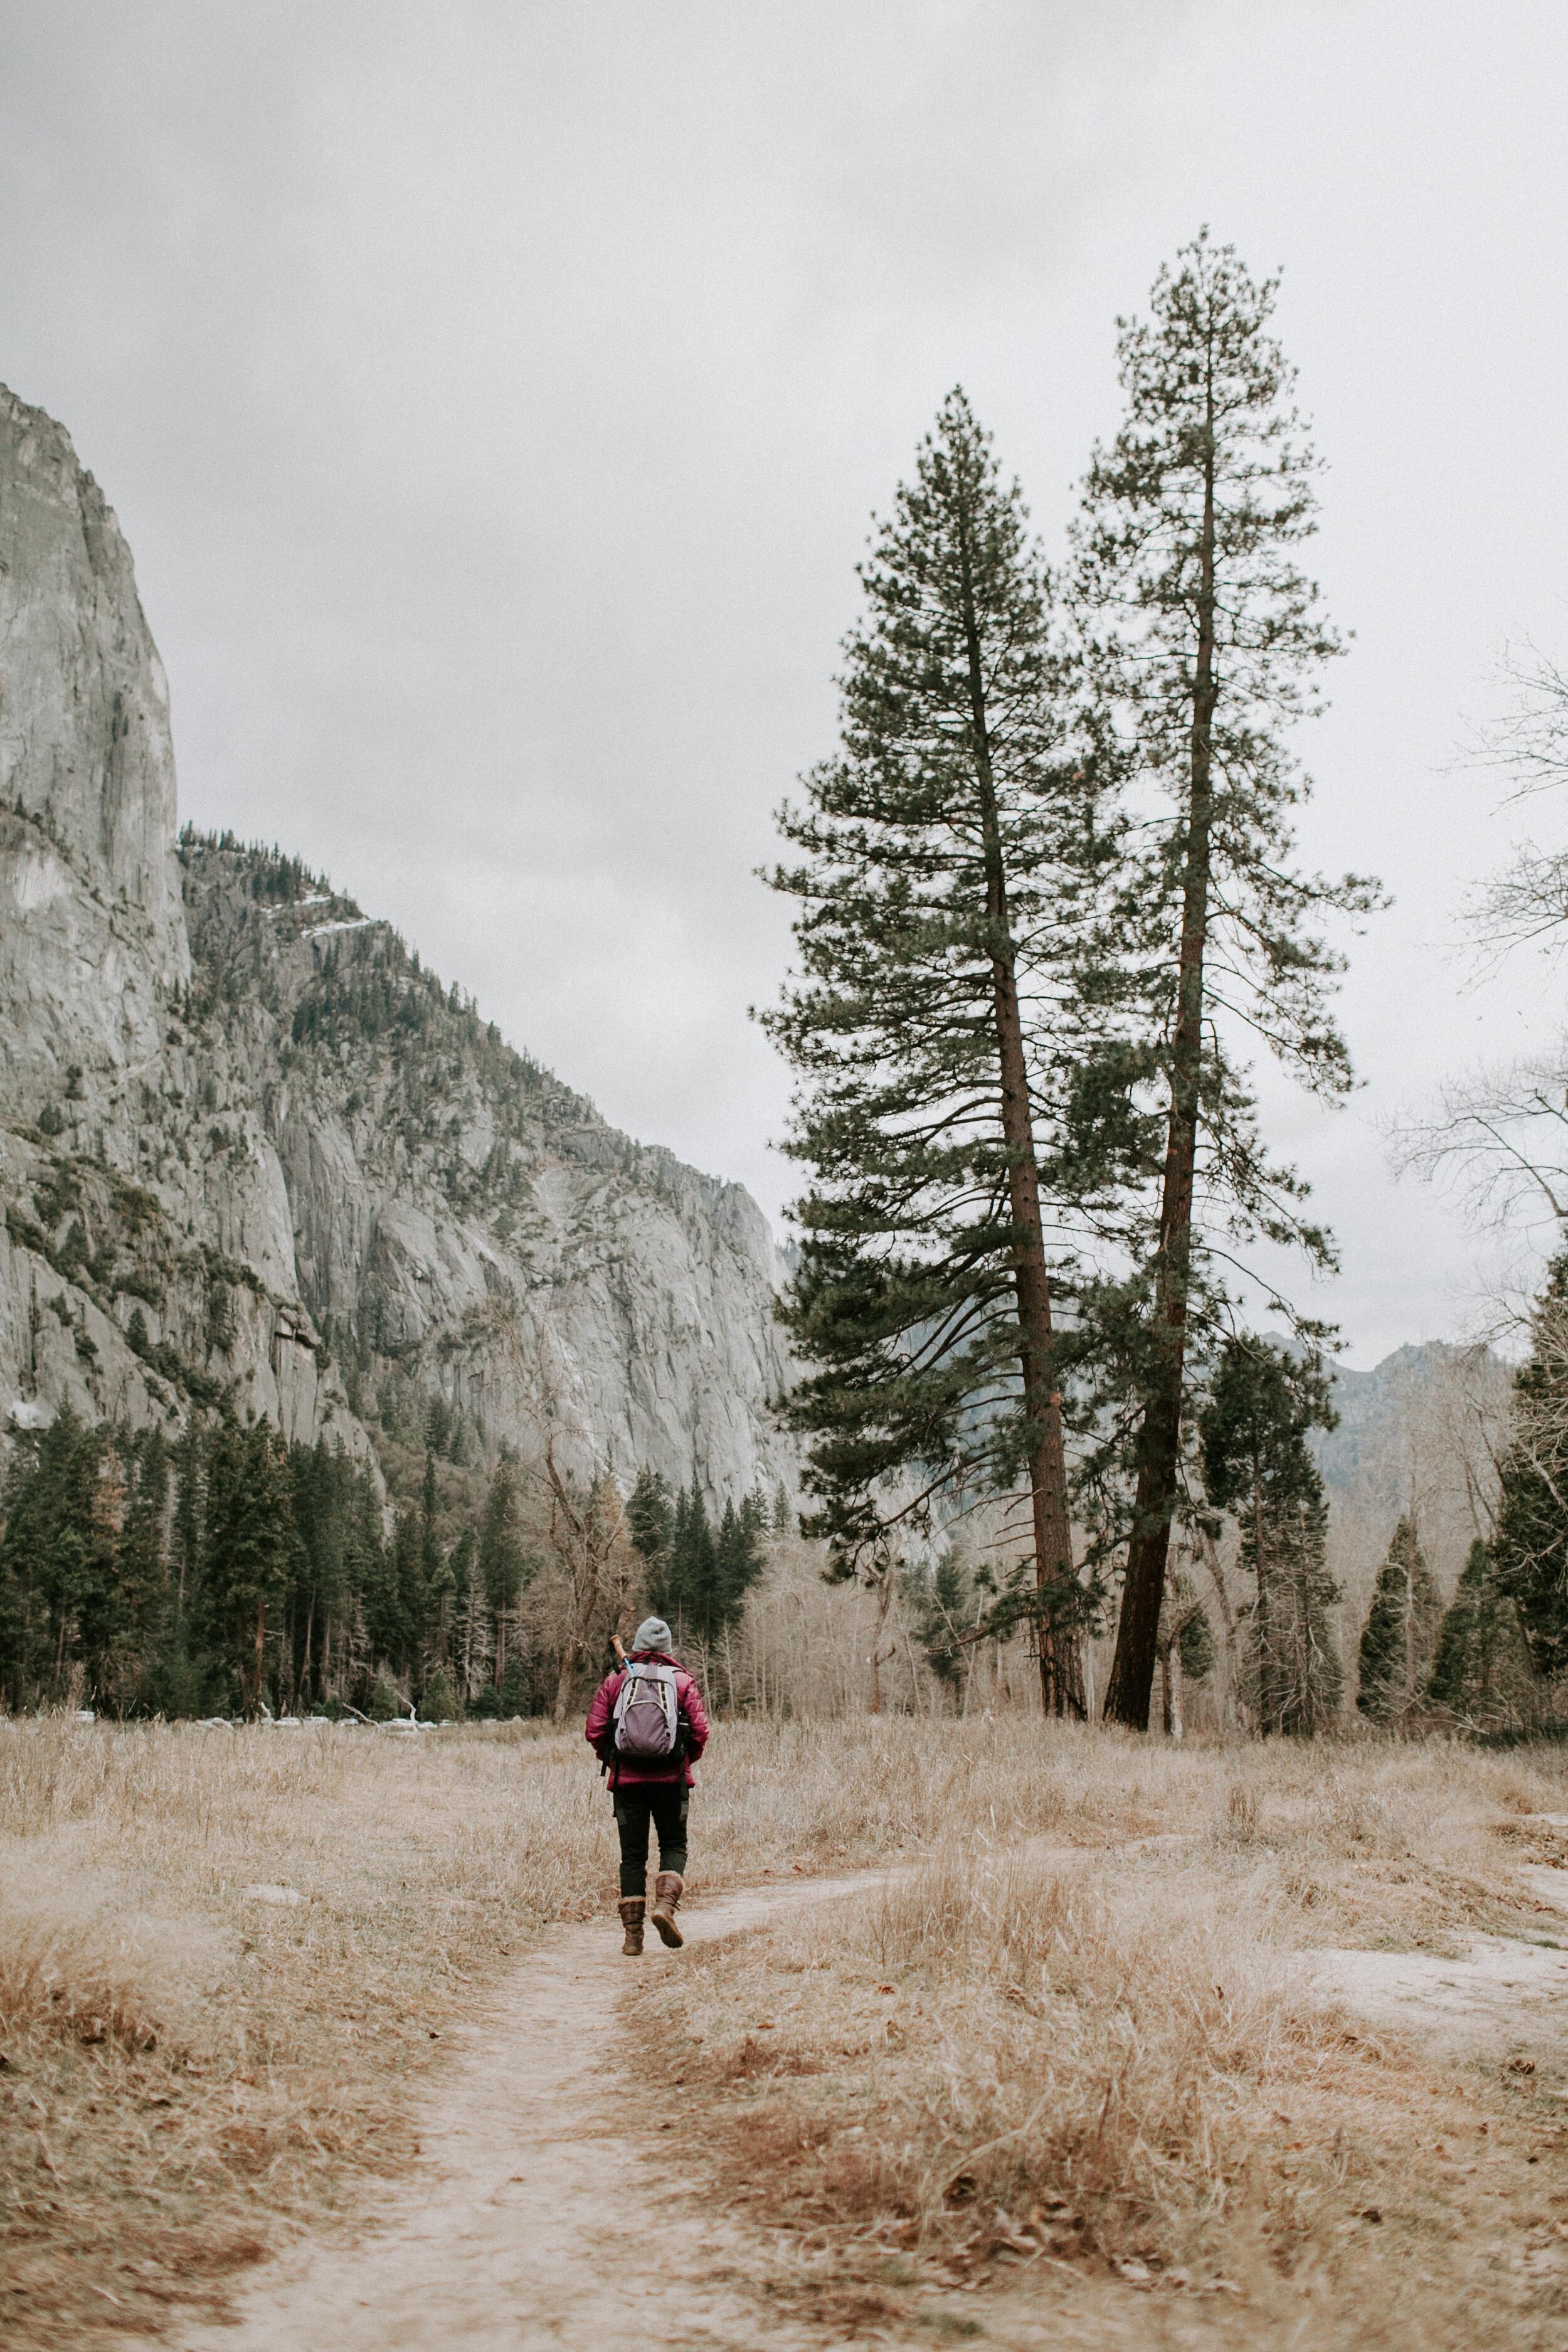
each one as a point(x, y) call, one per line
point(647, 1727)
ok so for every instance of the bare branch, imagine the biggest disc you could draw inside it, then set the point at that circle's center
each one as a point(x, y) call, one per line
point(1524, 906)
point(1527, 903)
point(1529, 742)
point(588, 1542)
point(1500, 1135)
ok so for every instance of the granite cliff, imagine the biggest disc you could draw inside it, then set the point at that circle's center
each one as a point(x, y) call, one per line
point(249, 1147)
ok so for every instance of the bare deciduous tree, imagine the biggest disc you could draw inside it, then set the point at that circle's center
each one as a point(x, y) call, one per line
point(592, 1553)
point(592, 1571)
point(1501, 1135)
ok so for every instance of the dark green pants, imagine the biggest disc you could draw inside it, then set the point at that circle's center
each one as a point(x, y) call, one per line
point(661, 1805)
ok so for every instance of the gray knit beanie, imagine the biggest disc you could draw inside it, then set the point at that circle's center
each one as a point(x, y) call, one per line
point(653, 1633)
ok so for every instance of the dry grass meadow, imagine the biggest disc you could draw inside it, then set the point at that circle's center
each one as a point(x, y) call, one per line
point(1073, 2050)
point(1110, 2092)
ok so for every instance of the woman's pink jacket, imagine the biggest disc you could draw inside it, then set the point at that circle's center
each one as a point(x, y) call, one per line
point(600, 1729)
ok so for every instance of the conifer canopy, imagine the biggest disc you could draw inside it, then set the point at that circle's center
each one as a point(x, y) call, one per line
point(1257, 1465)
point(1401, 1631)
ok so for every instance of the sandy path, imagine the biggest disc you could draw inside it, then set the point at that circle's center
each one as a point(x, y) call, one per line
point(1505, 1993)
point(537, 2214)
point(532, 2215)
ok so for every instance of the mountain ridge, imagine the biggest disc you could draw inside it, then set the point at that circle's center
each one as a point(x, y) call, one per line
point(251, 1150)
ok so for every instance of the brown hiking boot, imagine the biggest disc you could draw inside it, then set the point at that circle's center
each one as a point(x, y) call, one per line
point(632, 1908)
point(666, 1896)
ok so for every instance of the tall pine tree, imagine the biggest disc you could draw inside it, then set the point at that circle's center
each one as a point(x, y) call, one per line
point(42, 1559)
point(1201, 638)
point(941, 1598)
point(942, 865)
point(249, 1553)
point(685, 1584)
point(650, 1524)
point(738, 1560)
point(1480, 1668)
point(323, 1484)
point(140, 1572)
point(1257, 1465)
point(1530, 1545)
point(502, 1563)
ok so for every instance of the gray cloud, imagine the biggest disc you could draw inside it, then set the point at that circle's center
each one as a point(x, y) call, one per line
point(495, 397)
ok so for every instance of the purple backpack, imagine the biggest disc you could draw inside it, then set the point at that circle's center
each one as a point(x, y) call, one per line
point(647, 1714)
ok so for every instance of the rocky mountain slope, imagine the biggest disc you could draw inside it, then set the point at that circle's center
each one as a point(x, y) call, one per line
point(1415, 1401)
point(249, 1146)
point(1418, 1436)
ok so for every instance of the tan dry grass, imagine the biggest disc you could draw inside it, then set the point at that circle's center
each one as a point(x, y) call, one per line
point(1077, 2063)
point(189, 2070)
point(184, 2069)
point(185, 2065)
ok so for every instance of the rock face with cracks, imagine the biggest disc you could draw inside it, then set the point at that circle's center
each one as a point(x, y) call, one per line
point(249, 1147)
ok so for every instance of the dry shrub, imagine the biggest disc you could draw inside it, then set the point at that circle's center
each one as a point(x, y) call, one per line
point(75, 1967)
point(824, 1795)
point(186, 2066)
point(1110, 2065)
point(1095, 2041)
point(1004, 2050)
point(1383, 1843)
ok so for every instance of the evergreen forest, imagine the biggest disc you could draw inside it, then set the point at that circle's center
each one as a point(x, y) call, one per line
point(232, 1575)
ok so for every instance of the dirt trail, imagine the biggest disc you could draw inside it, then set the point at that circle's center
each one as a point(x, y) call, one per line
point(536, 2213)
point(538, 2210)
point(1505, 1993)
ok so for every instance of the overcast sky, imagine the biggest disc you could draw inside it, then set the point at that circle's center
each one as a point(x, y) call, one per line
point(495, 395)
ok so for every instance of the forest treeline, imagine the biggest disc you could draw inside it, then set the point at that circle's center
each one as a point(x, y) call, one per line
point(1495, 1657)
point(231, 1573)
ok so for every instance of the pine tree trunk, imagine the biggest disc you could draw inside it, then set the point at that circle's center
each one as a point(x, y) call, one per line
point(1160, 1437)
point(302, 1664)
point(1303, 1678)
point(1061, 1664)
point(260, 1656)
point(1263, 1633)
